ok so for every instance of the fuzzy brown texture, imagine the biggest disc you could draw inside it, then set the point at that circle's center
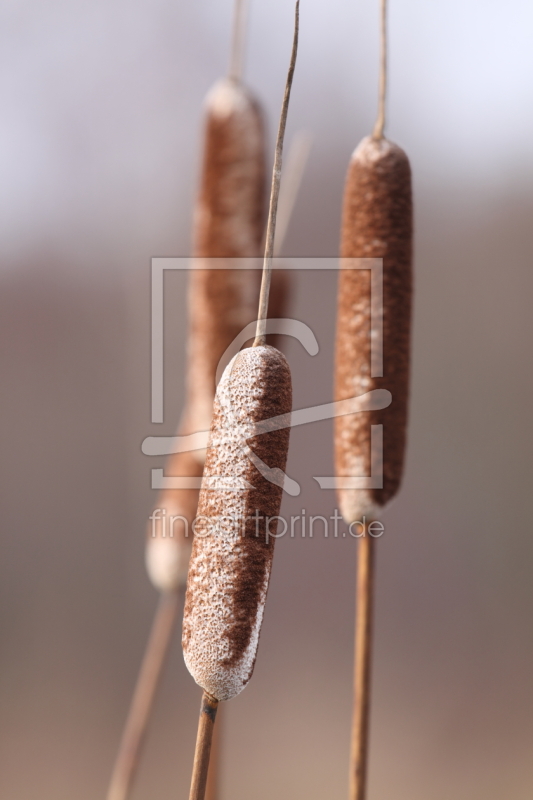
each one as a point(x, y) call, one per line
point(377, 223)
point(229, 222)
point(231, 559)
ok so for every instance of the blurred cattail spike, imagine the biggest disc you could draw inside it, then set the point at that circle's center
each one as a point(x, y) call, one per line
point(228, 225)
point(229, 571)
point(376, 224)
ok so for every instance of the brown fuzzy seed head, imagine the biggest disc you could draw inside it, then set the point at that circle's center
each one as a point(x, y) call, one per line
point(228, 224)
point(232, 554)
point(229, 214)
point(377, 223)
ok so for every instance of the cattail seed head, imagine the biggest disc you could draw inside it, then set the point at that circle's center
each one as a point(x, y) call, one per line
point(232, 552)
point(377, 223)
point(228, 224)
point(229, 214)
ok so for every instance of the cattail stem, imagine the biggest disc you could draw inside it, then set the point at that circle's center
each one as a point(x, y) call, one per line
point(380, 122)
point(208, 712)
point(363, 651)
point(212, 791)
point(260, 336)
point(143, 698)
point(238, 38)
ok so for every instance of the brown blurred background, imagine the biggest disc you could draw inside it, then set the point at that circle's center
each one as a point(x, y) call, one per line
point(99, 158)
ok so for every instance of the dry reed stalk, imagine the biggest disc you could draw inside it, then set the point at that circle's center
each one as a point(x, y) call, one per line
point(274, 198)
point(143, 698)
point(362, 671)
point(206, 724)
point(229, 574)
point(377, 223)
point(212, 789)
point(168, 548)
point(280, 287)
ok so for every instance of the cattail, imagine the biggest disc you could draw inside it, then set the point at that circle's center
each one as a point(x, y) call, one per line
point(233, 548)
point(240, 499)
point(280, 288)
point(376, 223)
point(228, 224)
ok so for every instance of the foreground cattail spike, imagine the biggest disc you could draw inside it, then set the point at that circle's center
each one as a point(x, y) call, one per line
point(238, 510)
point(232, 551)
point(377, 223)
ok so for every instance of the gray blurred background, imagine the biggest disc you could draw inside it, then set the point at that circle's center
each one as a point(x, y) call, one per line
point(101, 108)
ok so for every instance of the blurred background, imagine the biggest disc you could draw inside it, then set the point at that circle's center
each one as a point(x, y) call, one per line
point(100, 135)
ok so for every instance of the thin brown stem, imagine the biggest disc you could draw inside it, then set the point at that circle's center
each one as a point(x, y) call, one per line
point(380, 122)
point(212, 791)
point(363, 651)
point(260, 336)
point(143, 698)
point(208, 712)
point(238, 38)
